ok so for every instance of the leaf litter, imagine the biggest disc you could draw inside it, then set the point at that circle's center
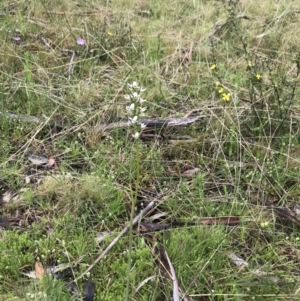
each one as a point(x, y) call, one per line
point(39, 270)
point(64, 272)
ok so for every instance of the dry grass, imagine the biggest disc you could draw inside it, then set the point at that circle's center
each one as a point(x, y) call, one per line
point(246, 149)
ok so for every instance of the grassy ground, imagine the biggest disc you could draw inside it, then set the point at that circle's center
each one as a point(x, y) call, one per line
point(236, 62)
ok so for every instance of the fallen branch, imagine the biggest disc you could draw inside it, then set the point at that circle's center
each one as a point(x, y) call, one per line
point(152, 123)
point(148, 122)
point(210, 221)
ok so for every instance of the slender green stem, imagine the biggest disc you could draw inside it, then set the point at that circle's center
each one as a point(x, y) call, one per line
point(133, 204)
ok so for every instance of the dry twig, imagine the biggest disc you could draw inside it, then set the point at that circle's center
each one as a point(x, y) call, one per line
point(125, 229)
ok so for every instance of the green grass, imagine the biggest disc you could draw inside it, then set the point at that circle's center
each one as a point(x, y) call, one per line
point(236, 62)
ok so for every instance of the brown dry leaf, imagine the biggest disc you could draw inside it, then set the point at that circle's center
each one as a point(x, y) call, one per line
point(39, 270)
point(164, 264)
point(284, 212)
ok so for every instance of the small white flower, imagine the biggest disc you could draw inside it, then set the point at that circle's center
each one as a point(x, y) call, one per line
point(127, 97)
point(142, 89)
point(141, 100)
point(143, 125)
point(142, 109)
point(133, 119)
point(136, 135)
point(136, 95)
point(134, 84)
point(130, 108)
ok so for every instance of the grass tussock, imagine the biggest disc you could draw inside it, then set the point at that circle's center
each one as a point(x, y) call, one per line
point(229, 217)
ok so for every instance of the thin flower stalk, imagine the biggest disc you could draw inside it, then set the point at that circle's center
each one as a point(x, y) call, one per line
point(136, 109)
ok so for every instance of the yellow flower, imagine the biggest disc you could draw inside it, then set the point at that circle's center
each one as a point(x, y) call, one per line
point(264, 224)
point(258, 76)
point(226, 96)
point(217, 84)
point(109, 33)
point(221, 90)
point(250, 64)
point(213, 67)
point(297, 238)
